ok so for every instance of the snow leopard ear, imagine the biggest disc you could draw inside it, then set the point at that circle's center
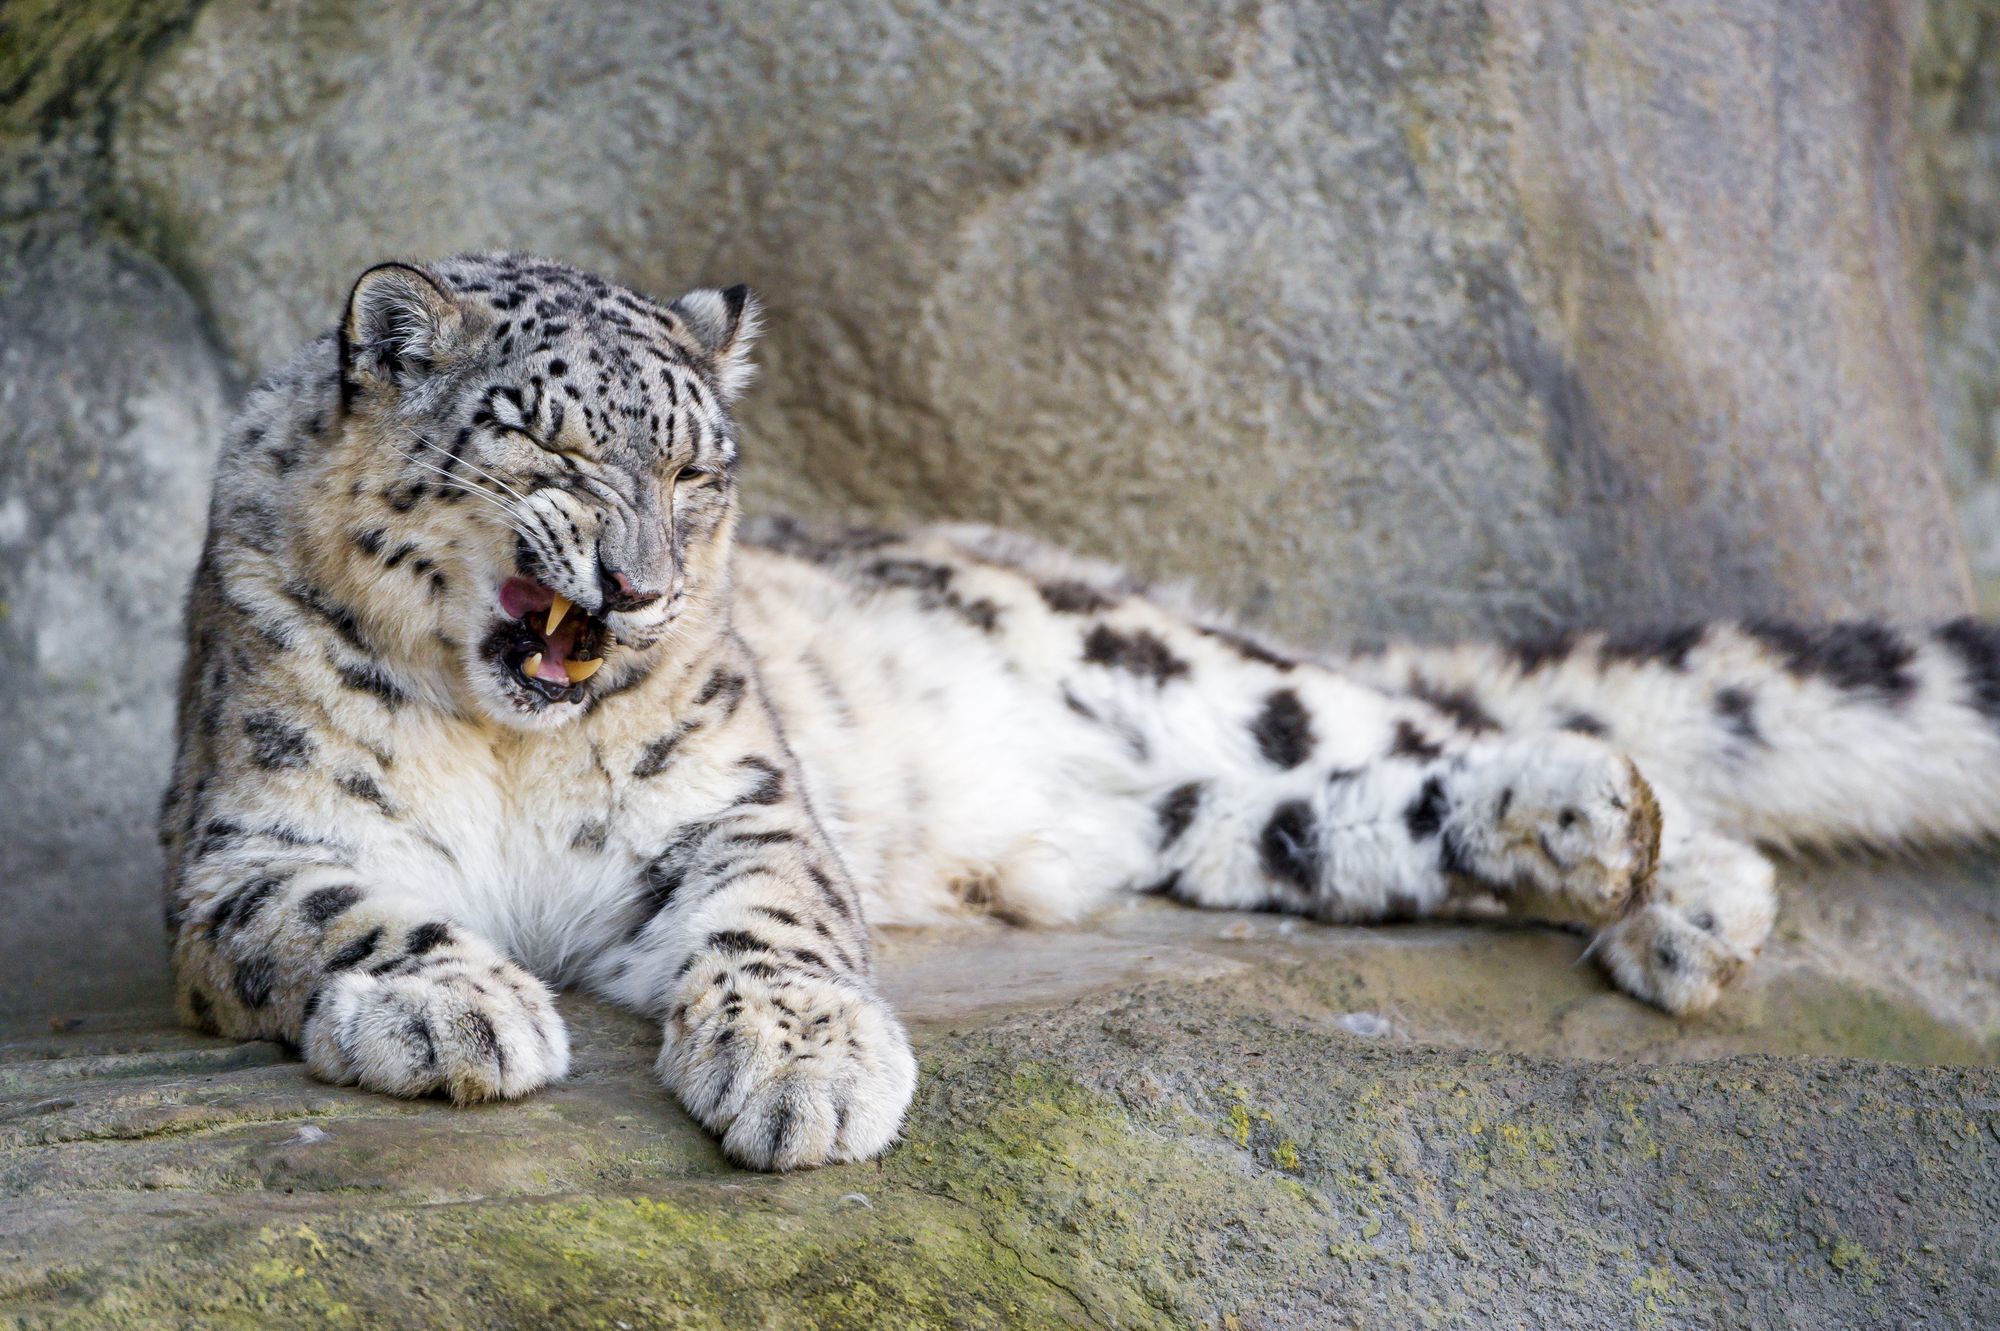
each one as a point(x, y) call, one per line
point(725, 323)
point(399, 325)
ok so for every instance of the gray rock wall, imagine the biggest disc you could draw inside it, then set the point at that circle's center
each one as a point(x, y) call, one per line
point(1441, 317)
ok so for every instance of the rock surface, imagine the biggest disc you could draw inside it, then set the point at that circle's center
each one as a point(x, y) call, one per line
point(1171, 1118)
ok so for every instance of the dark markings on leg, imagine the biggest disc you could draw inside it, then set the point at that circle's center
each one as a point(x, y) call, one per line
point(425, 937)
point(1139, 652)
point(1074, 598)
point(362, 787)
point(590, 835)
point(1859, 657)
point(275, 743)
point(484, 1040)
point(734, 941)
point(781, 1128)
point(1248, 648)
point(243, 904)
point(664, 876)
point(1977, 647)
point(323, 905)
point(419, 1032)
point(1283, 730)
point(1460, 705)
point(1735, 707)
point(770, 787)
point(254, 980)
point(1425, 815)
point(781, 916)
point(1411, 742)
point(371, 679)
point(1286, 847)
point(1176, 810)
point(203, 1012)
point(399, 554)
point(1583, 723)
point(356, 952)
point(1664, 646)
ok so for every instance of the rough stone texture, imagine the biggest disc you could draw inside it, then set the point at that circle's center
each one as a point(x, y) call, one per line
point(1091, 1145)
point(1957, 180)
point(1429, 317)
point(111, 405)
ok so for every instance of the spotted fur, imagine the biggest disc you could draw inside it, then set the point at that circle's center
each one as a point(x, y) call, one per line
point(397, 817)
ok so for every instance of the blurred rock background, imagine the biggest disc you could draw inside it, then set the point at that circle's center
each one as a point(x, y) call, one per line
point(1436, 318)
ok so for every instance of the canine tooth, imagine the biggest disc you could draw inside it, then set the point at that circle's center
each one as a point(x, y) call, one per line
point(532, 666)
point(579, 671)
point(557, 609)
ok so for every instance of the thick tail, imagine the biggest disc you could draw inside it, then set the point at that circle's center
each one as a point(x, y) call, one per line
point(1853, 733)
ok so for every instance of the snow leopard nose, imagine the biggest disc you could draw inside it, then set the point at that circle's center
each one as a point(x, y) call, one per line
point(619, 591)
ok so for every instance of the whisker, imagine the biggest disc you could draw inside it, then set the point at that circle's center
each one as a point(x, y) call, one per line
point(468, 462)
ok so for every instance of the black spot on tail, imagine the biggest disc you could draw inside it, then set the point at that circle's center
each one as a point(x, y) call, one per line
point(1425, 814)
point(1176, 811)
point(1140, 652)
point(1460, 705)
point(1661, 646)
point(1736, 708)
point(1249, 648)
point(1583, 723)
point(1283, 730)
point(1531, 654)
point(1977, 647)
point(1860, 658)
point(1286, 849)
point(1074, 598)
point(1410, 742)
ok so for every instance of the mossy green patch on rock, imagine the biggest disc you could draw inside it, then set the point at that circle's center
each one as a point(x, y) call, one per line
point(1166, 1156)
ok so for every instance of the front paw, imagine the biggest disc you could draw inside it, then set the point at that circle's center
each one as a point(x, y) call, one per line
point(473, 1029)
point(791, 1070)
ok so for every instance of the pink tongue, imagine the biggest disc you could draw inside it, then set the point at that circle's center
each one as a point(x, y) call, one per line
point(518, 596)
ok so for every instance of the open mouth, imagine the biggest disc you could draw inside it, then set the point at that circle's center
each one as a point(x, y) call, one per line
point(546, 646)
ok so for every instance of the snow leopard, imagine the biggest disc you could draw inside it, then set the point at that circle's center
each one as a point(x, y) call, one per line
point(488, 693)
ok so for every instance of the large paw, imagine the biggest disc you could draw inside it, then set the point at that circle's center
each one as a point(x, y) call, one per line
point(475, 1030)
point(1560, 824)
point(791, 1070)
point(1709, 915)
